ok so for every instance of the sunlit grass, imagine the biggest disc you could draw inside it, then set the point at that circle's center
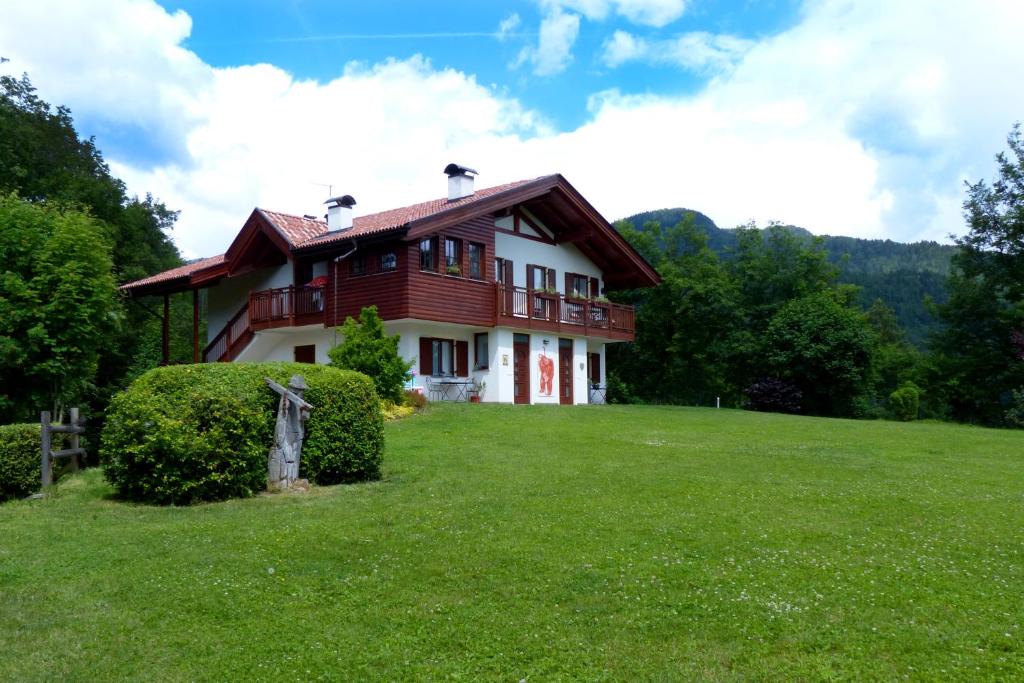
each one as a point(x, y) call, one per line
point(509, 543)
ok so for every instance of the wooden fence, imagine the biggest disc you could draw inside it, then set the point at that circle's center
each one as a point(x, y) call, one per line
point(73, 429)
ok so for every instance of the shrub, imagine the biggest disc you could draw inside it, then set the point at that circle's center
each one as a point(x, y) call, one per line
point(19, 460)
point(188, 433)
point(1015, 415)
point(367, 349)
point(774, 395)
point(905, 402)
point(415, 399)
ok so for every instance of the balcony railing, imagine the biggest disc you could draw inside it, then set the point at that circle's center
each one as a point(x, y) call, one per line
point(532, 308)
point(268, 308)
point(286, 307)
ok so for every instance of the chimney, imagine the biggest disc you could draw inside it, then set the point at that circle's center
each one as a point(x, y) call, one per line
point(339, 212)
point(460, 181)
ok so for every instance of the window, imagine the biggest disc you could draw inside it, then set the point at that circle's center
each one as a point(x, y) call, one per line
point(428, 259)
point(452, 256)
point(305, 353)
point(579, 286)
point(500, 265)
point(476, 261)
point(442, 353)
point(357, 266)
point(444, 357)
point(388, 261)
point(481, 357)
point(539, 279)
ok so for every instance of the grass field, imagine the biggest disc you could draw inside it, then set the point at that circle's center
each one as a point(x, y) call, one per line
point(510, 543)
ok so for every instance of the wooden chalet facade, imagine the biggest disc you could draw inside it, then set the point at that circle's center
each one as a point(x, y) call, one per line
point(494, 289)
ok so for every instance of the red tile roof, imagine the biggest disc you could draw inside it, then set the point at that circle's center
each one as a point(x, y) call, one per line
point(176, 273)
point(301, 231)
point(298, 230)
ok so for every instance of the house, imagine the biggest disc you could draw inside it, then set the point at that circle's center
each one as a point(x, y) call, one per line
point(499, 290)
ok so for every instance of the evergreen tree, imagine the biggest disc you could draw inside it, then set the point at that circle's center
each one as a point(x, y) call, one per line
point(366, 348)
point(975, 357)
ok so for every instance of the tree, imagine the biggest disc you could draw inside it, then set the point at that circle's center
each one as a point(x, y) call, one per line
point(367, 349)
point(58, 306)
point(43, 160)
point(824, 347)
point(976, 360)
point(684, 325)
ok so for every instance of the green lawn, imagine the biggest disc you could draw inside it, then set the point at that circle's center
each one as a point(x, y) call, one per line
point(544, 543)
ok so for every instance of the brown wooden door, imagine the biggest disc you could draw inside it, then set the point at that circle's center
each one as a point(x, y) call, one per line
point(521, 368)
point(305, 354)
point(565, 371)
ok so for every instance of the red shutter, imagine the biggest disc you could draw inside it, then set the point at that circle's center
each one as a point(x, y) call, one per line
point(595, 288)
point(529, 276)
point(426, 356)
point(568, 284)
point(551, 279)
point(595, 368)
point(462, 359)
point(509, 273)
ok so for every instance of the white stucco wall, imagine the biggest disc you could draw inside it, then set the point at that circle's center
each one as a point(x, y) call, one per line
point(564, 258)
point(228, 295)
point(279, 344)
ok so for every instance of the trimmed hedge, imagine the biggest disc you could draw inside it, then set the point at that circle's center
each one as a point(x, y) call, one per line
point(188, 433)
point(19, 460)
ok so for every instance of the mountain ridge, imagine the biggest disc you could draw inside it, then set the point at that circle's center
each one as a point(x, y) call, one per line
point(904, 275)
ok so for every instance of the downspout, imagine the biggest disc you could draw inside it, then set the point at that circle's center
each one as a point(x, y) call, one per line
point(334, 285)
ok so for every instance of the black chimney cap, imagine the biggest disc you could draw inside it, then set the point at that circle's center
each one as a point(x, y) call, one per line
point(344, 200)
point(454, 169)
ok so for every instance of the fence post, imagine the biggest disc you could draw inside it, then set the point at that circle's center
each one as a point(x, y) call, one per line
point(44, 438)
point(73, 418)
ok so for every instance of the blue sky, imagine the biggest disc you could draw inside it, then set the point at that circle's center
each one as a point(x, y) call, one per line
point(310, 40)
point(846, 117)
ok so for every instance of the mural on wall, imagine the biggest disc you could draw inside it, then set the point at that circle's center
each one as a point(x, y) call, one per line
point(547, 373)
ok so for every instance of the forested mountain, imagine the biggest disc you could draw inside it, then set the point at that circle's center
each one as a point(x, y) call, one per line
point(902, 275)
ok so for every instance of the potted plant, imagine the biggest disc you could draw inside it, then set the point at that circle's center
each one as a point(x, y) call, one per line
point(477, 392)
point(453, 270)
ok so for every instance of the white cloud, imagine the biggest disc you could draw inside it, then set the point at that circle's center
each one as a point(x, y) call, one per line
point(655, 13)
point(559, 28)
point(558, 31)
point(859, 120)
point(507, 26)
point(696, 51)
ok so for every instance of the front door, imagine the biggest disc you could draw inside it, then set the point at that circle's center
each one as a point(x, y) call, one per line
point(565, 371)
point(521, 368)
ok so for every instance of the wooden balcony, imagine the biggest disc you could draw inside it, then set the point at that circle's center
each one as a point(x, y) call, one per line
point(282, 307)
point(550, 312)
point(286, 307)
point(514, 307)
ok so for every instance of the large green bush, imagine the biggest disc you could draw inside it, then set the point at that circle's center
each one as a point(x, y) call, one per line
point(189, 433)
point(19, 460)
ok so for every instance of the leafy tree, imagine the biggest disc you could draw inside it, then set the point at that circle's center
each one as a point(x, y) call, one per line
point(895, 362)
point(367, 349)
point(824, 347)
point(773, 266)
point(58, 306)
point(684, 325)
point(43, 160)
point(977, 365)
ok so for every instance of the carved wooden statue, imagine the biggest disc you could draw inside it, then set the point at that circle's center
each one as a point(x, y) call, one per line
point(283, 463)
